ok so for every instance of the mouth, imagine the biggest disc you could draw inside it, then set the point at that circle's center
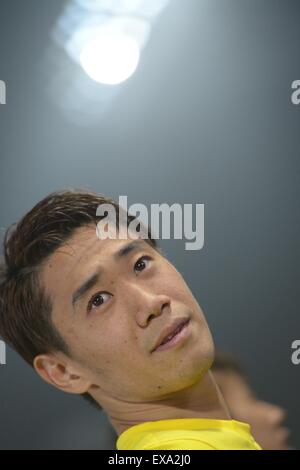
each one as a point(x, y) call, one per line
point(172, 336)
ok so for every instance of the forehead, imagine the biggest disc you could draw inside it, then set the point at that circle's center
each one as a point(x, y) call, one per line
point(78, 258)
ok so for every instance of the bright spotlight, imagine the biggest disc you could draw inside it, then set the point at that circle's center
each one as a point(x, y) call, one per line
point(111, 58)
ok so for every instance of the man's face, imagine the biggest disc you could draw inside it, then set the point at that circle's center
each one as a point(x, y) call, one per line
point(113, 326)
point(264, 418)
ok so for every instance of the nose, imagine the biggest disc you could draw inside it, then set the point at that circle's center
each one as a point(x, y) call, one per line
point(148, 305)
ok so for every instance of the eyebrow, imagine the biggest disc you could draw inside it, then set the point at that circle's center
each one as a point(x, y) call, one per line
point(91, 281)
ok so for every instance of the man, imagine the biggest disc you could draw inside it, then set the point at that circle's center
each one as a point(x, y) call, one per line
point(264, 418)
point(115, 321)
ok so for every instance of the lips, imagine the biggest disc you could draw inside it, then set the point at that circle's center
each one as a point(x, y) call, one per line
point(170, 331)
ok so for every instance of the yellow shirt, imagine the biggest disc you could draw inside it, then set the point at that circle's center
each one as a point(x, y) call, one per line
point(188, 434)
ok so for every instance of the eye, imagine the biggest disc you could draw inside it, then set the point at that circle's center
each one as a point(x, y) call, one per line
point(97, 300)
point(142, 263)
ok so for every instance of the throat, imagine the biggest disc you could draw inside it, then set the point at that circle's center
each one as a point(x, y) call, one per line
point(201, 401)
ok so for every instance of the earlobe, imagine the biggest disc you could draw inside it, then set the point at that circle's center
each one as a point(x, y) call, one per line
point(60, 374)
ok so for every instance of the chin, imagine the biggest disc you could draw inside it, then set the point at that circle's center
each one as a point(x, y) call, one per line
point(195, 367)
point(205, 353)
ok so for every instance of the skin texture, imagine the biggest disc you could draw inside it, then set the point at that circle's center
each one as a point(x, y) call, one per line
point(264, 418)
point(111, 344)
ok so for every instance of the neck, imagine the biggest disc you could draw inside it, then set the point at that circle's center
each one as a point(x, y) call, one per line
point(201, 400)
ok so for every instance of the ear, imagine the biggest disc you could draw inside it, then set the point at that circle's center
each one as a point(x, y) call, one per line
point(59, 372)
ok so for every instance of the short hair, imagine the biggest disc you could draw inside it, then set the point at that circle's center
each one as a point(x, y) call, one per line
point(25, 306)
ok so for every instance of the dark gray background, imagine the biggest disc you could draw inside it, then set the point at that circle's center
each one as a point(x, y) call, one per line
point(207, 118)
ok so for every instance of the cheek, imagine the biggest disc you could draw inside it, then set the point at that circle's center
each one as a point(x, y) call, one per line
point(172, 283)
point(109, 346)
point(182, 292)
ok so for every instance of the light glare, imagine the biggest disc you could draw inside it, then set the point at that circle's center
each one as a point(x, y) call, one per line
point(110, 59)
